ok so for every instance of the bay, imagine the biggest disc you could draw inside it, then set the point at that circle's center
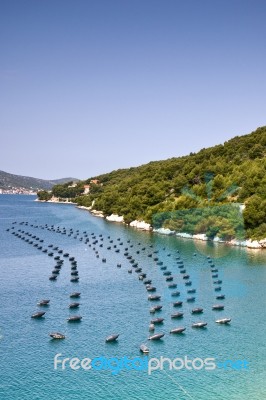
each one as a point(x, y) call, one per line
point(114, 301)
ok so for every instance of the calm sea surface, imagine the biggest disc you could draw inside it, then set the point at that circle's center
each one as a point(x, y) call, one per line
point(114, 301)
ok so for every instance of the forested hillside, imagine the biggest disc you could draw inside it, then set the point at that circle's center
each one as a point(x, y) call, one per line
point(233, 172)
point(8, 180)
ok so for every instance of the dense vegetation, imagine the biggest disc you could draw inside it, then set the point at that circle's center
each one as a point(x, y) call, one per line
point(224, 174)
point(225, 221)
point(66, 190)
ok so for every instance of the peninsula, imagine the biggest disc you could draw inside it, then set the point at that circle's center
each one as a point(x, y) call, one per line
point(218, 192)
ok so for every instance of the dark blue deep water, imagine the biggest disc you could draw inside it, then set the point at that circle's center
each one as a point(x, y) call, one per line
point(114, 301)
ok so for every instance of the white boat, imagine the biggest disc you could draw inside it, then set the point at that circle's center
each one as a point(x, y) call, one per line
point(154, 297)
point(157, 321)
point(177, 315)
point(218, 307)
point(199, 325)
point(181, 329)
point(223, 321)
point(157, 336)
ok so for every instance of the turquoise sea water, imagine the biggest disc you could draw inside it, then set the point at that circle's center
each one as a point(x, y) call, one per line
point(114, 301)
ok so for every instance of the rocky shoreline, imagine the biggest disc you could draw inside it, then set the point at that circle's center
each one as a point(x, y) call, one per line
point(144, 226)
point(251, 244)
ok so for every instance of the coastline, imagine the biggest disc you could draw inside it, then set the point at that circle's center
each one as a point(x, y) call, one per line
point(144, 226)
point(251, 244)
point(54, 201)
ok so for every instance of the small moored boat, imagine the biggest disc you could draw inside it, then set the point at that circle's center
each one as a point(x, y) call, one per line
point(175, 294)
point(154, 297)
point(190, 299)
point(74, 318)
point(150, 288)
point(38, 314)
point(111, 338)
point(218, 307)
point(74, 305)
point(75, 295)
point(169, 278)
point(157, 336)
point(223, 321)
point(172, 285)
point(157, 321)
point(43, 302)
point(56, 271)
point(199, 325)
point(178, 303)
point(144, 349)
point(177, 315)
point(158, 308)
point(197, 310)
point(147, 282)
point(57, 335)
point(181, 329)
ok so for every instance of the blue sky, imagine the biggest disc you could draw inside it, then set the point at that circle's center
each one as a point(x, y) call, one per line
point(91, 86)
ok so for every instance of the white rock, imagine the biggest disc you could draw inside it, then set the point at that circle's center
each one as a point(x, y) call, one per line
point(84, 208)
point(184, 235)
point(115, 218)
point(242, 207)
point(253, 244)
point(97, 213)
point(140, 225)
point(235, 242)
point(164, 231)
point(200, 236)
point(262, 242)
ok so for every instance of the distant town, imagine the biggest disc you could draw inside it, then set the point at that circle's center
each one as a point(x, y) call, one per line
point(18, 190)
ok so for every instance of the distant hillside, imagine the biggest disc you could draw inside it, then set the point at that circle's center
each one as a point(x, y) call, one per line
point(229, 173)
point(62, 181)
point(17, 181)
